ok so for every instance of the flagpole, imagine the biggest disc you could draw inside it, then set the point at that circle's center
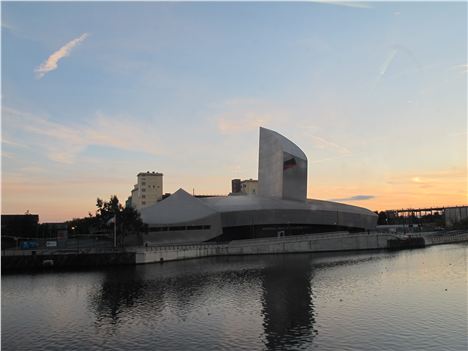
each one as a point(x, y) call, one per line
point(115, 231)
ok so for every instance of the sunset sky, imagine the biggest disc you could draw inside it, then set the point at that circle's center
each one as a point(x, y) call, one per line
point(374, 93)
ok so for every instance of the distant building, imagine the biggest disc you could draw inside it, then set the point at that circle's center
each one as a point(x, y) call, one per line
point(235, 186)
point(454, 215)
point(134, 197)
point(55, 230)
point(19, 225)
point(147, 191)
point(249, 186)
point(128, 202)
point(244, 187)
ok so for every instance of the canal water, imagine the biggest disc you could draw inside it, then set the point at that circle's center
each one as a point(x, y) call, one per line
point(406, 300)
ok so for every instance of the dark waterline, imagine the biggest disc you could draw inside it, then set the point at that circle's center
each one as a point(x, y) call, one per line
point(407, 300)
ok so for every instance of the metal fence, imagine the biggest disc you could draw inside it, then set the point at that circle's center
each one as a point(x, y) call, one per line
point(82, 243)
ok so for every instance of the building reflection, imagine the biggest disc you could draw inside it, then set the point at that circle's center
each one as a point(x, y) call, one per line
point(151, 295)
point(142, 292)
point(287, 307)
point(119, 290)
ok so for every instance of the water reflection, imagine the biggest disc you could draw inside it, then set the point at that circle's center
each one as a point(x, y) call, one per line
point(118, 292)
point(148, 292)
point(156, 294)
point(279, 288)
point(287, 304)
point(365, 301)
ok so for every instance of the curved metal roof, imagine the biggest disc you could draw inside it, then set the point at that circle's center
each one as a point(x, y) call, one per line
point(255, 202)
point(286, 145)
point(181, 207)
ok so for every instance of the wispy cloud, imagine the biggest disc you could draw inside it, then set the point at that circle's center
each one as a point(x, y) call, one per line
point(64, 142)
point(397, 51)
point(12, 143)
point(388, 61)
point(52, 62)
point(453, 176)
point(244, 115)
point(463, 68)
point(6, 154)
point(251, 121)
point(354, 4)
point(6, 25)
point(329, 159)
point(355, 198)
point(322, 143)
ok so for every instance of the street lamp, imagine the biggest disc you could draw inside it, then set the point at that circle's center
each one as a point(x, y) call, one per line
point(76, 239)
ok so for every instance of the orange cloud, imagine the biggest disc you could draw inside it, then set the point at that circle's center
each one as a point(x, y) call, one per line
point(437, 188)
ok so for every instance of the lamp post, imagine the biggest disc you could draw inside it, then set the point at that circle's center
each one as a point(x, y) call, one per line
point(115, 232)
point(72, 235)
point(76, 239)
point(114, 221)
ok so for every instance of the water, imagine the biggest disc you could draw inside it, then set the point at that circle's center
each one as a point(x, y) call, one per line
point(407, 300)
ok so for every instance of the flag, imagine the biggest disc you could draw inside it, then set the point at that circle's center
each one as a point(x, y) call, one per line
point(289, 164)
point(110, 221)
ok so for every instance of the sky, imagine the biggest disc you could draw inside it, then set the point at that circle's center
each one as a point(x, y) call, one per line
point(374, 93)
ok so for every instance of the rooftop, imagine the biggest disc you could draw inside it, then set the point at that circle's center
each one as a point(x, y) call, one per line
point(149, 174)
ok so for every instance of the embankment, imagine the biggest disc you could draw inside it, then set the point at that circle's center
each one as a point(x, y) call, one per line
point(340, 241)
point(59, 260)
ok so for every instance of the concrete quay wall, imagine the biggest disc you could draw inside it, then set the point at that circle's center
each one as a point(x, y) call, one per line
point(339, 241)
point(438, 238)
point(342, 241)
point(32, 262)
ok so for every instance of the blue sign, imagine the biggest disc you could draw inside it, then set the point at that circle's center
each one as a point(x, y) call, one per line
point(28, 245)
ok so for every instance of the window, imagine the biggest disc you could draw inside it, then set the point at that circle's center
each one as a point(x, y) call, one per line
point(143, 190)
point(143, 202)
point(157, 229)
point(195, 227)
point(173, 229)
point(143, 183)
point(178, 228)
point(143, 196)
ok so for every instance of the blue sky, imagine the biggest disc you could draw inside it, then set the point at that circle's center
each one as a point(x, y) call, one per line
point(374, 95)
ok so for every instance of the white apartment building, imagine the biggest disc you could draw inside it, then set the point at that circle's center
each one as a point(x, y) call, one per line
point(249, 186)
point(244, 187)
point(147, 191)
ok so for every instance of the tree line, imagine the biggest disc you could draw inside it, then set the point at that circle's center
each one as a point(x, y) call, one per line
point(127, 221)
point(391, 218)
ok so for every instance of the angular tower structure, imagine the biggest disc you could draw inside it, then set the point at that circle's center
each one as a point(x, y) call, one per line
point(282, 167)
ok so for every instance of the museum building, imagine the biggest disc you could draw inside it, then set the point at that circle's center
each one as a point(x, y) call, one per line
point(280, 208)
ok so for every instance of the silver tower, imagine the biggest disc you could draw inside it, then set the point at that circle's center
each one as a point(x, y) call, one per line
point(282, 167)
